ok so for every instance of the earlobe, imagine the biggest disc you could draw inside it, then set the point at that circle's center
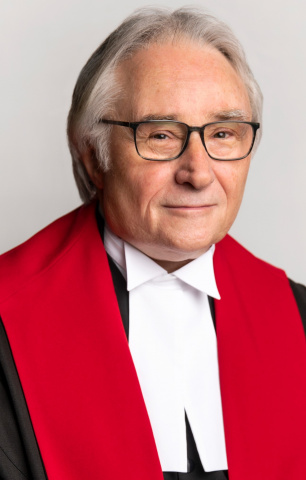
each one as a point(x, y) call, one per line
point(92, 167)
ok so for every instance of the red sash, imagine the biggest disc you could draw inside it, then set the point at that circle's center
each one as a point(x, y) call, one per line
point(262, 362)
point(60, 312)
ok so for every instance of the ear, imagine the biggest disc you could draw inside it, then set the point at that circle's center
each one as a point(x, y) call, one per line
point(92, 167)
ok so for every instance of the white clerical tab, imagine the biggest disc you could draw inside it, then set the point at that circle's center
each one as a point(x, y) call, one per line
point(173, 345)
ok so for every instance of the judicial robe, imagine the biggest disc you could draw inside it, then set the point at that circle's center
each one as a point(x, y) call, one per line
point(67, 374)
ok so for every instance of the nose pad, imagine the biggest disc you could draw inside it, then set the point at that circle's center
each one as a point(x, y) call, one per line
point(193, 139)
point(195, 165)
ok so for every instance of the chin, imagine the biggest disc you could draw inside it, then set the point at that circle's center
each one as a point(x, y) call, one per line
point(182, 253)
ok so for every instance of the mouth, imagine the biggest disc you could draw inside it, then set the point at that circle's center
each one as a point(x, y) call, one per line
point(190, 211)
point(190, 207)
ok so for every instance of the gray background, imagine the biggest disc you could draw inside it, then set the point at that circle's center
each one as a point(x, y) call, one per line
point(44, 44)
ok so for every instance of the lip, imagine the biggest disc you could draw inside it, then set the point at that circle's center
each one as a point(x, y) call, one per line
point(190, 207)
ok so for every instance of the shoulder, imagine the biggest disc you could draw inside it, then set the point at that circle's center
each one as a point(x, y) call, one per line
point(238, 258)
point(237, 252)
point(254, 272)
point(41, 251)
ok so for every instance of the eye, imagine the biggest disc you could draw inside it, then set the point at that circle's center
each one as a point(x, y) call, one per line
point(169, 135)
point(222, 134)
point(159, 136)
point(226, 132)
point(155, 134)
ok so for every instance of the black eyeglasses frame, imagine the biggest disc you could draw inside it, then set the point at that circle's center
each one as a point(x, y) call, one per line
point(134, 125)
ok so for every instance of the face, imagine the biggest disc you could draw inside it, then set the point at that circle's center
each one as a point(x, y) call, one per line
point(174, 211)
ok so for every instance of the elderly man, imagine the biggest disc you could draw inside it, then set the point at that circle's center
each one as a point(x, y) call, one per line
point(138, 340)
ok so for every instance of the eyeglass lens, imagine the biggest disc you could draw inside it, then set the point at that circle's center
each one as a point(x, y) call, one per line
point(166, 140)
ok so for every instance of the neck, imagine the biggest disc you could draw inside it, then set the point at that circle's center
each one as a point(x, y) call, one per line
point(172, 266)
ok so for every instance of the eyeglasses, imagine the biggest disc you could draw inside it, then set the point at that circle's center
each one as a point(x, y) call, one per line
point(164, 140)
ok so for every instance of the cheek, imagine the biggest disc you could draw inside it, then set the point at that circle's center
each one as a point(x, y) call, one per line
point(232, 177)
point(130, 195)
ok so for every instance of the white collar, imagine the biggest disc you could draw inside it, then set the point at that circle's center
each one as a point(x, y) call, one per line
point(171, 328)
point(138, 268)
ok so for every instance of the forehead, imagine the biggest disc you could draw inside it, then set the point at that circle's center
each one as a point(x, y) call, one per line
point(179, 79)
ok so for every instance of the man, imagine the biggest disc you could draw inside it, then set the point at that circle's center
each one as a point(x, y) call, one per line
point(169, 351)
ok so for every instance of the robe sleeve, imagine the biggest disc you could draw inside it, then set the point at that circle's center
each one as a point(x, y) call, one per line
point(19, 454)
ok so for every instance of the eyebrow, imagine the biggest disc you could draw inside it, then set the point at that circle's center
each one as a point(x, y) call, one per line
point(158, 116)
point(230, 115)
point(235, 114)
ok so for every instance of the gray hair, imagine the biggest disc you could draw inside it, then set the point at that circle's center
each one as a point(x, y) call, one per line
point(97, 88)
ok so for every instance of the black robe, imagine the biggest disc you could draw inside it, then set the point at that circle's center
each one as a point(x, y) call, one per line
point(19, 453)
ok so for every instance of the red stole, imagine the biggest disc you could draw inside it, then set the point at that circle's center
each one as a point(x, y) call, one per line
point(262, 363)
point(60, 312)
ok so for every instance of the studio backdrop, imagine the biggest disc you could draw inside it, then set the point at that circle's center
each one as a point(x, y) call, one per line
point(45, 43)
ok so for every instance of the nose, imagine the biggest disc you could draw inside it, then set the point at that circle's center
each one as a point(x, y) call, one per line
point(195, 166)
